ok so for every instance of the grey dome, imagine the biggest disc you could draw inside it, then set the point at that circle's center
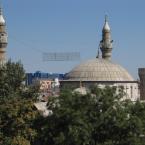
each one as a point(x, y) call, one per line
point(99, 70)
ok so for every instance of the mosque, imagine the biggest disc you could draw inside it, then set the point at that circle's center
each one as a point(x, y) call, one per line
point(102, 70)
point(99, 71)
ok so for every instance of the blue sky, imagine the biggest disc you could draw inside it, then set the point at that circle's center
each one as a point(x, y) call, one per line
point(37, 26)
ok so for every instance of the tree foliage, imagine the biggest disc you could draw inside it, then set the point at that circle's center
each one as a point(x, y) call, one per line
point(17, 119)
point(12, 76)
point(101, 117)
point(17, 111)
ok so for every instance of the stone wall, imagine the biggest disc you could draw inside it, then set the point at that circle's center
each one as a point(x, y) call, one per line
point(130, 88)
point(141, 72)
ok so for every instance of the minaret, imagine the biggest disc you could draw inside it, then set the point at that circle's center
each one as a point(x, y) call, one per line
point(3, 38)
point(106, 42)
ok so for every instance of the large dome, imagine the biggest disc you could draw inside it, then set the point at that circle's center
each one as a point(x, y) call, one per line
point(99, 70)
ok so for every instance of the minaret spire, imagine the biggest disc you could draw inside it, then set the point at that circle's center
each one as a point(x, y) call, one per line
point(106, 18)
point(106, 25)
point(3, 38)
point(106, 42)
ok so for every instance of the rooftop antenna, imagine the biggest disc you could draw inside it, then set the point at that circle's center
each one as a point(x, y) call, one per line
point(98, 53)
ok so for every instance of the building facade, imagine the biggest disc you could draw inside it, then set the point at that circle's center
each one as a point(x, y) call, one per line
point(38, 75)
point(141, 72)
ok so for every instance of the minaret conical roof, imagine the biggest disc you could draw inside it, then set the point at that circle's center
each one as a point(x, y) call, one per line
point(106, 25)
point(2, 20)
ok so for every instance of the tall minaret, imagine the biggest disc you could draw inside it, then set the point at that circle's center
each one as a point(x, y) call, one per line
point(3, 38)
point(106, 42)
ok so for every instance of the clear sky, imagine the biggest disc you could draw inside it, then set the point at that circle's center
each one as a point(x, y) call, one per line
point(37, 26)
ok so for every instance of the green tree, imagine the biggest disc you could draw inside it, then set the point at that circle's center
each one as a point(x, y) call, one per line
point(17, 112)
point(12, 82)
point(99, 118)
point(12, 76)
point(17, 119)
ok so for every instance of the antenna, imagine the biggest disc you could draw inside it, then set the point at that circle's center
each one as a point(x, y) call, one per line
point(98, 53)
